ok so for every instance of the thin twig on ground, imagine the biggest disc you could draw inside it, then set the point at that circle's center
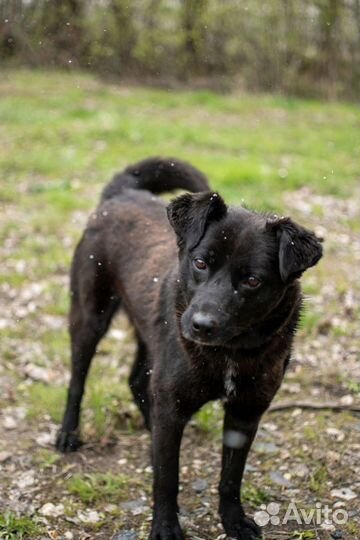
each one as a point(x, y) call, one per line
point(337, 407)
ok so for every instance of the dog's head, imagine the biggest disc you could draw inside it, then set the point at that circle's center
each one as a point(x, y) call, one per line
point(235, 265)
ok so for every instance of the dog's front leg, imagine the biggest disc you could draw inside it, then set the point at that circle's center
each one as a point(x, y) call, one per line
point(167, 429)
point(237, 439)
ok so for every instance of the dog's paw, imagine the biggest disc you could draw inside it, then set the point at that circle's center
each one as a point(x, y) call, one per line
point(244, 529)
point(166, 530)
point(68, 441)
point(237, 525)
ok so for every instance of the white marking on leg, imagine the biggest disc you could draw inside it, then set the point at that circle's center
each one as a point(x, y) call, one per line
point(234, 439)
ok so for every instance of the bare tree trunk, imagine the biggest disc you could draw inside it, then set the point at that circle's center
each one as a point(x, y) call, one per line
point(10, 16)
point(62, 26)
point(356, 56)
point(330, 42)
point(193, 24)
point(126, 36)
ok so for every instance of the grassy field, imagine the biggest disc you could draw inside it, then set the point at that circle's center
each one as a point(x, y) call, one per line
point(62, 136)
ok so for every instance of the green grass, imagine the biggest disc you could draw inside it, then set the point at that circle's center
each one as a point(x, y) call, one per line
point(71, 129)
point(309, 321)
point(208, 419)
point(317, 481)
point(46, 399)
point(303, 535)
point(254, 495)
point(13, 527)
point(46, 459)
point(99, 487)
point(62, 136)
point(107, 403)
point(353, 386)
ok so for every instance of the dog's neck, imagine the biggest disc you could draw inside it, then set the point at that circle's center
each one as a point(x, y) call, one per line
point(283, 319)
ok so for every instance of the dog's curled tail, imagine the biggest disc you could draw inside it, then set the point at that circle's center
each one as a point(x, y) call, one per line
point(157, 175)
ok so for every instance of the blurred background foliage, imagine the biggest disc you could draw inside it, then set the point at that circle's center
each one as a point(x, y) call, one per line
point(306, 48)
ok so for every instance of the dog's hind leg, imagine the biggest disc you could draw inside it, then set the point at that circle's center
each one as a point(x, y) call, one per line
point(139, 382)
point(93, 305)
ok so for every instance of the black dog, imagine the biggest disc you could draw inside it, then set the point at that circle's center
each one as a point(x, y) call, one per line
point(214, 319)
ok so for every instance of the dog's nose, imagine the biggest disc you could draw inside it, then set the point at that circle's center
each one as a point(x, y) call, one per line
point(203, 324)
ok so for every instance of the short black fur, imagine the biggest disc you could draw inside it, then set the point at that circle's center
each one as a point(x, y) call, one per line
point(215, 317)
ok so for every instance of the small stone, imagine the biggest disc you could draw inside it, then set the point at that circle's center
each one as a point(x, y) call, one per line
point(333, 457)
point(199, 485)
point(125, 535)
point(337, 535)
point(9, 423)
point(270, 426)
point(135, 507)
point(279, 479)
point(336, 434)
point(346, 494)
point(89, 516)
point(347, 400)
point(52, 510)
point(27, 479)
point(266, 448)
point(4, 323)
point(44, 439)
point(4, 456)
point(117, 334)
point(38, 373)
point(301, 470)
point(111, 508)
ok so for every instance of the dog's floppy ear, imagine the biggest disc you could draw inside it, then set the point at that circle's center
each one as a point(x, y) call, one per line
point(190, 215)
point(299, 248)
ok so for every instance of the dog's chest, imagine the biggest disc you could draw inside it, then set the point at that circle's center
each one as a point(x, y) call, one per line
point(237, 381)
point(230, 376)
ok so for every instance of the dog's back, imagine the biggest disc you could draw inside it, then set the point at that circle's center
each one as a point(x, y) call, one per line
point(116, 263)
point(129, 238)
point(214, 319)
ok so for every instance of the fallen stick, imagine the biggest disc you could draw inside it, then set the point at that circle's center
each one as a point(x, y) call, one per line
point(282, 406)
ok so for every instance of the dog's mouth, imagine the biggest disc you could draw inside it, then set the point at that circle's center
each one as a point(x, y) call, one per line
point(207, 342)
point(222, 337)
point(241, 338)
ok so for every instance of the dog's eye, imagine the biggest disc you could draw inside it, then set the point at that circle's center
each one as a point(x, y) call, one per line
point(200, 264)
point(252, 282)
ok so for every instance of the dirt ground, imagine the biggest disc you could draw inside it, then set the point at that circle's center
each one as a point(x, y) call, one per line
point(310, 457)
